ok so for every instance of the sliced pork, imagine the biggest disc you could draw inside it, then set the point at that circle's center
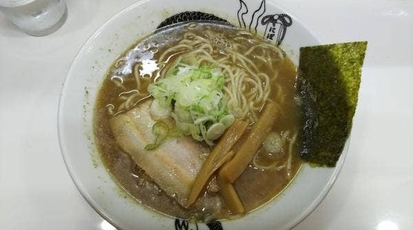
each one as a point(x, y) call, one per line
point(173, 165)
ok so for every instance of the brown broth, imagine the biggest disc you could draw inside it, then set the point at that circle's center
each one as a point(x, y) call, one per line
point(255, 186)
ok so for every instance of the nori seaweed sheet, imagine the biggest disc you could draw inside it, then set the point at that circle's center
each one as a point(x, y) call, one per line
point(329, 80)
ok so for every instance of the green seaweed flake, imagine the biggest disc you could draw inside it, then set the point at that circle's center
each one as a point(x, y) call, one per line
point(330, 77)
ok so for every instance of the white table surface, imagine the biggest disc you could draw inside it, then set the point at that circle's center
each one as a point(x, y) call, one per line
point(373, 191)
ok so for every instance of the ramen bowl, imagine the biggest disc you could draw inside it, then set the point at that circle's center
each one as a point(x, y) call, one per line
point(79, 93)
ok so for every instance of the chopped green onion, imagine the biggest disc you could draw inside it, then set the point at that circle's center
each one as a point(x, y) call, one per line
point(197, 98)
point(160, 129)
point(273, 143)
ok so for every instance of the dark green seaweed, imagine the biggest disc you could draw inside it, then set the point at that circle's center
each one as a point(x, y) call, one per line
point(329, 80)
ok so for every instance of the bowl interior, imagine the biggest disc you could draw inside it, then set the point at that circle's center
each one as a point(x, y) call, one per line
point(86, 74)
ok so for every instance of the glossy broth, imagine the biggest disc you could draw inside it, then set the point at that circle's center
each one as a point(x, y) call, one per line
point(255, 186)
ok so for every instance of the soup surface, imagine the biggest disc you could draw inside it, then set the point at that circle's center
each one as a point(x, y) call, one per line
point(268, 76)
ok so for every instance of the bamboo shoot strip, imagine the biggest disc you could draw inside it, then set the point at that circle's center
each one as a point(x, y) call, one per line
point(233, 169)
point(217, 158)
point(230, 196)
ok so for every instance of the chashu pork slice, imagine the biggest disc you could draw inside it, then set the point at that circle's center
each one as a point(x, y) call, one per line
point(173, 165)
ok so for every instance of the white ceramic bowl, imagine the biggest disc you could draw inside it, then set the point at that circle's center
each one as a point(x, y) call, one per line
point(84, 79)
